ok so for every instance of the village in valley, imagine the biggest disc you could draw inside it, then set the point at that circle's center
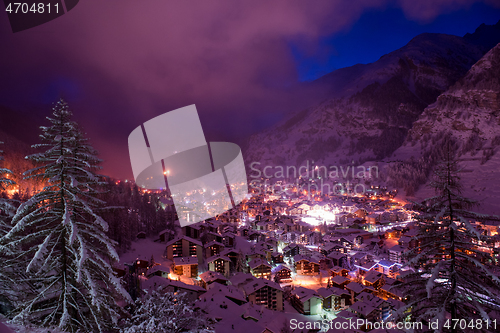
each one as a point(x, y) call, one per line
point(296, 262)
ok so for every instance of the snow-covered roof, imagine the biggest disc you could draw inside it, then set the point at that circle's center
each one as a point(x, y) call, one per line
point(362, 308)
point(156, 281)
point(189, 239)
point(324, 292)
point(300, 257)
point(386, 263)
point(218, 256)
point(213, 243)
point(241, 278)
point(357, 288)
point(158, 268)
point(339, 279)
point(305, 294)
point(210, 276)
point(258, 262)
point(179, 261)
point(253, 286)
point(397, 249)
point(373, 276)
point(336, 255)
point(279, 268)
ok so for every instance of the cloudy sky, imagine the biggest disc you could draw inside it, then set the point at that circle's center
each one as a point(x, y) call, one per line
point(120, 63)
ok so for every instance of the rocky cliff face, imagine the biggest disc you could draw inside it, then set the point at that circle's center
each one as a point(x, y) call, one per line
point(371, 107)
point(468, 116)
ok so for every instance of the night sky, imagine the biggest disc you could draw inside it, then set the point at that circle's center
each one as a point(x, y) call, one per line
point(245, 64)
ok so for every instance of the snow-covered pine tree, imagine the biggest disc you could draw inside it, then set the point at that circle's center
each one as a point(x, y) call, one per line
point(455, 276)
point(69, 281)
point(162, 311)
point(7, 211)
point(6, 208)
point(241, 265)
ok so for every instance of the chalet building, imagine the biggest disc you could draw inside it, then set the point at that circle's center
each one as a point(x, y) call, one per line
point(341, 298)
point(408, 241)
point(396, 254)
point(243, 232)
point(272, 243)
point(339, 281)
point(186, 266)
point(328, 247)
point(277, 258)
point(389, 268)
point(192, 230)
point(364, 310)
point(158, 270)
point(337, 258)
point(226, 227)
point(257, 253)
point(363, 269)
point(306, 301)
point(305, 208)
point(262, 225)
point(361, 213)
point(256, 236)
point(371, 307)
point(260, 268)
point(140, 267)
point(193, 292)
point(232, 254)
point(372, 218)
point(231, 293)
point(213, 248)
point(291, 250)
point(220, 264)
point(361, 258)
point(332, 247)
point(262, 292)
point(305, 265)
point(336, 270)
point(334, 299)
point(374, 279)
point(210, 277)
point(355, 289)
point(390, 291)
point(282, 274)
point(326, 294)
point(230, 216)
point(310, 237)
point(394, 233)
point(228, 239)
point(349, 242)
point(214, 236)
point(325, 264)
point(184, 247)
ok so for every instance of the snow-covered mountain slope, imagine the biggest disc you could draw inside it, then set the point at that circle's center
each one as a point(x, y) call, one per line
point(371, 107)
point(468, 114)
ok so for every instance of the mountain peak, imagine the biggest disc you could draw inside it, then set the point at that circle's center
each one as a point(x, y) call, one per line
point(486, 36)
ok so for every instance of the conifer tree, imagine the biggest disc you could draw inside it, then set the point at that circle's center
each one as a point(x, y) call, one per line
point(454, 274)
point(6, 207)
point(162, 311)
point(59, 237)
point(7, 211)
point(241, 265)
